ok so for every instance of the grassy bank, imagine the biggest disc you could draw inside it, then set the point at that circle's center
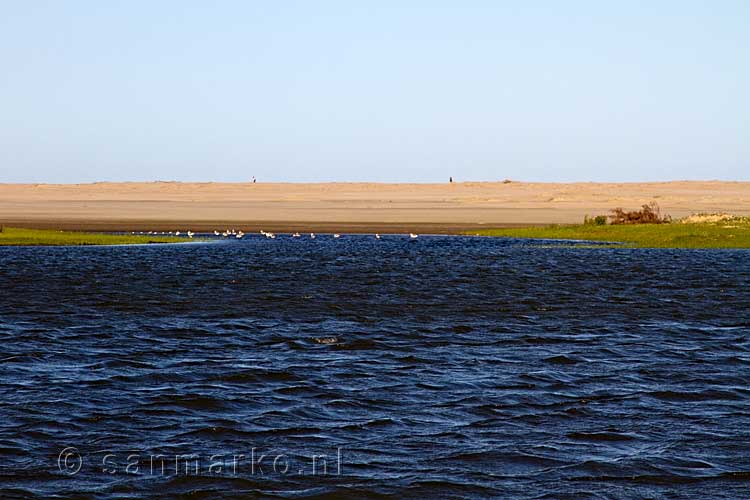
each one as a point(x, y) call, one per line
point(42, 237)
point(734, 233)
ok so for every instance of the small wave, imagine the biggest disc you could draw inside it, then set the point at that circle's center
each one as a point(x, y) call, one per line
point(358, 344)
point(562, 360)
point(377, 422)
point(697, 396)
point(255, 376)
point(601, 436)
point(190, 401)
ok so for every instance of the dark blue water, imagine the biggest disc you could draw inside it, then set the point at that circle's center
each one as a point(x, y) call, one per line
point(354, 368)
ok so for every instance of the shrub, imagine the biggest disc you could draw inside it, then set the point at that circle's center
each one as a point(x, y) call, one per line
point(648, 214)
point(598, 220)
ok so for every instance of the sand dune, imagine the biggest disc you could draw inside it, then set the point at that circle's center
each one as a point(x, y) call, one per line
point(349, 206)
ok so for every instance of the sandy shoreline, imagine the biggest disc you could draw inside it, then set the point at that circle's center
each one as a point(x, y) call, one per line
point(348, 207)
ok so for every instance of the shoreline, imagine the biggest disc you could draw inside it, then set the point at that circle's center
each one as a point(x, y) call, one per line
point(249, 227)
point(25, 237)
point(727, 233)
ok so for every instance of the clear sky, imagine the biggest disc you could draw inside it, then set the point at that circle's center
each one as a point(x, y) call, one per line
point(382, 90)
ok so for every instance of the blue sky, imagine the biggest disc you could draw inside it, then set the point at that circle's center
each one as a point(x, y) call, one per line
point(376, 91)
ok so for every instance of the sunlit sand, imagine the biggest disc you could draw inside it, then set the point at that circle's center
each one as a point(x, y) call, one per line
point(349, 207)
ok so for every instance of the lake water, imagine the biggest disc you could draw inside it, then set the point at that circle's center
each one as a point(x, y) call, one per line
point(445, 367)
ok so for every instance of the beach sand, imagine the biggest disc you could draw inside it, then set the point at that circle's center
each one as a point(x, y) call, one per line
point(348, 207)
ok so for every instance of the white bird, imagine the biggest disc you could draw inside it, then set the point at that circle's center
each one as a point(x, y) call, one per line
point(295, 235)
point(312, 236)
point(413, 236)
point(216, 233)
point(377, 236)
point(337, 235)
point(190, 234)
point(176, 233)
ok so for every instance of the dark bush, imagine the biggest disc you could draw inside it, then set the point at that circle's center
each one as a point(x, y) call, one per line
point(598, 220)
point(648, 214)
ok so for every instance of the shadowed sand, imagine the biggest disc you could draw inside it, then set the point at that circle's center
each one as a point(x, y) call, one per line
point(351, 207)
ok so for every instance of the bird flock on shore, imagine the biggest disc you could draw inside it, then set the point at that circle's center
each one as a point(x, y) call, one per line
point(239, 234)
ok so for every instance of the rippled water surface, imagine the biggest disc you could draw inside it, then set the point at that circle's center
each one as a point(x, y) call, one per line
point(446, 367)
